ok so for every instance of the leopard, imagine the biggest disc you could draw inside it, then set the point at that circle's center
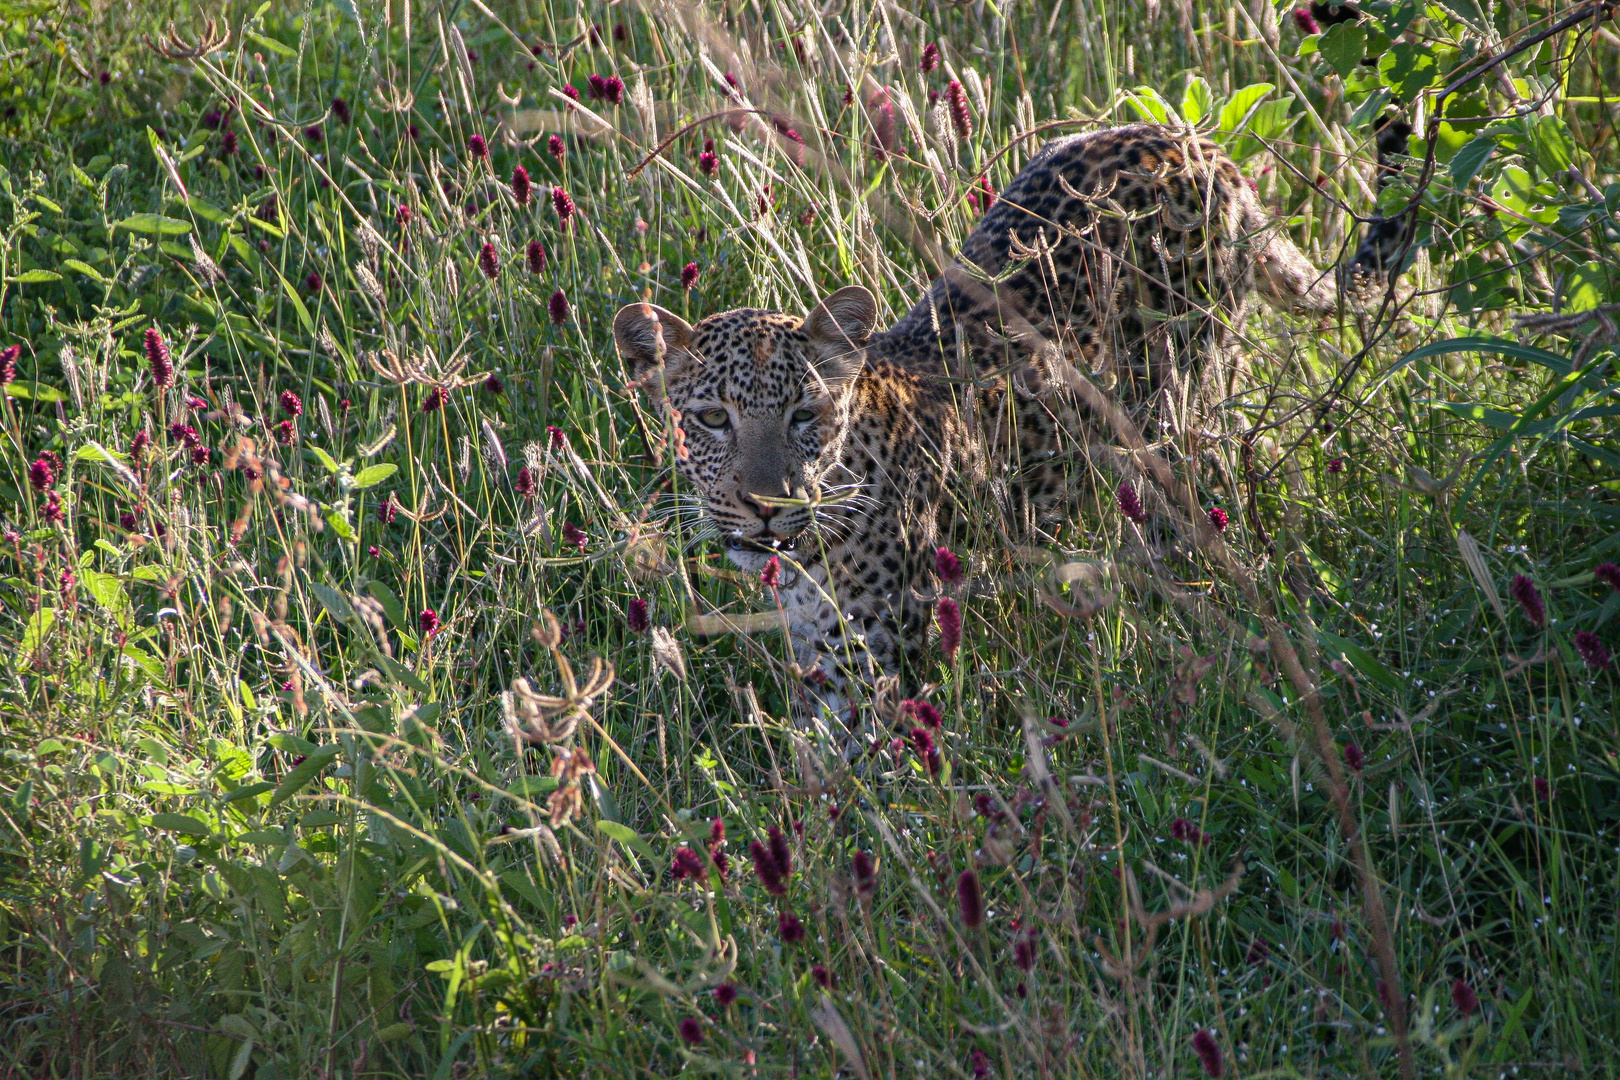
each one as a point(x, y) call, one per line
point(827, 452)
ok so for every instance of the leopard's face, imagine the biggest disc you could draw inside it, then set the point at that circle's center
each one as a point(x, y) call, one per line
point(763, 403)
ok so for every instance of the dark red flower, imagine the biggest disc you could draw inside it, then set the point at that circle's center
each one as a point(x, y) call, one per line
point(200, 455)
point(1129, 504)
point(1259, 951)
point(1609, 574)
point(488, 261)
point(229, 144)
point(691, 1029)
point(947, 566)
point(537, 257)
point(478, 148)
point(1590, 649)
point(863, 872)
point(373, 551)
point(789, 928)
point(922, 712)
point(128, 521)
point(313, 282)
point(212, 119)
point(930, 57)
point(885, 123)
point(725, 994)
point(524, 484)
point(556, 147)
point(1463, 998)
point(340, 109)
point(1522, 589)
point(290, 403)
point(608, 88)
point(414, 133)
point(1543, 787)
point(285, 432)
point(137, 447)
point(766, 869)
point(1354, 758)
point(1024, 951)
point(986, 192)
point(41, 474)
point(771, 576)
point(313, 133)
point(563, 203)
point(522, 188)
point(949, 617)
point(558, 308)
point(428, 622)
point(970, 900)
point(780, 853)
point(1182, 829)
point(689, 276)
point(574, 536)
point(1218, 518)
point(687, 864)
point(158, 357)
point(823, 977)
point(1209, 1053)
point(184, 434)
point(8, 363)
point(636, 617)
point(979, 1061)
point(52, 510)
point(387, 510)
point(1306, 21)
point(438, 397)
point(1335, 466)
point(569, 92)
point(402, 215)
point(494, 385)
point(956, 101)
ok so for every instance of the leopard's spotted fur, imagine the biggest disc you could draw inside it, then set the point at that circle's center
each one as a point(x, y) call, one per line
point(1131, 253)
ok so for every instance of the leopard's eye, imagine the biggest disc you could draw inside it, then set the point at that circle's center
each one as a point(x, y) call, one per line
point(715, 418)
point(802, 416)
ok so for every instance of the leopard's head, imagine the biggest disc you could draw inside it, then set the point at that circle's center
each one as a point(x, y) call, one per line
point(763, 400)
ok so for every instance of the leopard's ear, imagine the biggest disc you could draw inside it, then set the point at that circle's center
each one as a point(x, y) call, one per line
point(651, 340)
point(842, 323)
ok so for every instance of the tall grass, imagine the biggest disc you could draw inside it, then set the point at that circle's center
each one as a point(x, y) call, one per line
point(263, 808)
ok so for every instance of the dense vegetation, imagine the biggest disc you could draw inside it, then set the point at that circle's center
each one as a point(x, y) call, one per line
point(320, 480)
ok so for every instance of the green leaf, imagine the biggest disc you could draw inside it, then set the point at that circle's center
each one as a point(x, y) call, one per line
point(526, 787)
point(372, 475)
point(1236, 111)
point(206, 210)
point(39, 624)
point(391, 605)
point(35, 277)
point(248, 791)
point(108, 591)
point(302, 774)
point(1467, 162)
point(1361, 660)
point(333, 601)
point(1197, 101)
point(87, 270)
point(627, 836)
point(155, 224)
point(1149, 105)
point(298, 304)
point(1496, 418)
point(35, 392)
point(241, 1060)
point(1409, 69)
point(1552, 144)
point(1501, 346)
point(272, 44)
point(324, 458)
point(180, 823)
point(340, 525)
point(395, 1032)
point(1343, 46)
point(1587, 287)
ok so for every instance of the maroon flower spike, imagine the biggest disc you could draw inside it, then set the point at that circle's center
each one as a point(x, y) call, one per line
point(414, 133)
point(8, 363)
point(621, 32)
point(930, 57)
point(537, 257)
point(1609, 574)
point(387, 510)
point(313, 133)
point(1524, 591)
point(1306, 21)
point(687, 864)
point(1543, 787)
point(980, 1062)
point(1354, 758)
point(970, 900)
point(1024, 952)
point(793, 142)
point(986, 192)
point(950, 626)
point(1335, 466)
point(636, 617)
point(922, 712)
point(1129, 504)
point(822, 976)
point(428, 622)
point(285, 432)
point(790, 928)
point(524, 484)
point(494, 385)
point(1182, 829)
point(290, 404)
point(771, 576)
point(52, 510)
point(229, 144)
point(563, 203)
point(437, 398)
point(213, 119)
point(41, 475)
point(1591, 650)
point(947, 566)
point(128, 521)
point(558, 439)
point(691, 1029)
point(1259, 952)
point(1218, 518)
point(780, 853)
point(556, 147)
point(200, 455)
point(717, 832)
point(574, 536)
point(478, 148)
point(613, 90)
point(340, 109)
point(68, 582)
point(569, 92)
point(157, 356)
point(725, 994)
point(184, 434)
point(765, 869)
point(522, 188)
point(558, 308)
point(689, 276)
point(956, 101)
point(137, 447)
point(402, 215)
point(488, 261)
point(1209, 1053)
point(923, 740)
point(1464, 998)
point(863, 872)
point(313, 282)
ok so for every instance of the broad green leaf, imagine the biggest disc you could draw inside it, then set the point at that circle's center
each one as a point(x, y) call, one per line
point(627, 836)
point(180, 823)
point(1470, 410)
point(324, 458)
point(1553, 146)
point(39, 625)
point(35, 277)
point(391, 605)
point(1500, 346)
point(298, 304)
point(1343, 46)
point(155, 224)
point(1361, 660)
point(340, 525)
point(1236, 111)
point(272, 44)
point(372, 475)
point(87, 270)
point(35, 392)
point(1588, 286)
point(1149, 105)
point(108, 591)
point(302, 774)
point(1409, 69)
point(526, 787)
point(288, 743)
point(395, 1032)
point(333, 601)
point(1466, 163)
point(1197, 101)
point(248, 791)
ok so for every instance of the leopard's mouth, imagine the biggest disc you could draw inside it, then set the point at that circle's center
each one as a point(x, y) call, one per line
point(765, 543)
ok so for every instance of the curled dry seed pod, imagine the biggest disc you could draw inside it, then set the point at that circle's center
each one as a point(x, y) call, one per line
point(547, 630)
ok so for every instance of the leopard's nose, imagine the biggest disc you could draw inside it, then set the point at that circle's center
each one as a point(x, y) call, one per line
point(765, 511)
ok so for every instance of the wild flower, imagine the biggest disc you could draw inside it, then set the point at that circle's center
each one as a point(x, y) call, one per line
point(621, 32)
point(689, 276)
point(970, 900)
point(771, 575)
point(691, 1029)
point(428, 622)
point(979, 1062)
point(388, 509)
point(708, 160)
point(1609, 574)
point(340, 109)
point(524, 484)
point(948, 566)
point(1591, 650)
point(313, 134)
point(780, 853)
point(1259, 952)
point(212, 119)
point(1209, 1053)
point(1522, 589)
point(158, 358)
point(373, 551)
point(569, 92)
point(489, 262)
point(229, 144)
point(184, 434)
point(285, 431)
point(128, 521)
point(922, 712)
point(563, 204)
point(687, 864)
point(402, 215)
point(438, 397)
point(290, 404)
point(863, 872)
point(1024, 951)
point(1542, 786)
point(556, 147)
point(41, 475)
point(536, 255)
point(1463, 998)
point(522, 187)
point(1218, 518)
point(789, 928)
point(792, 141)
point(986, 192)
point(478, 148)
point(558, 308)
point(609, 88)
point(414, 132)
point(1306, 21)
point(494, 385)
point(636, 616)
point(930, 57)
point(823, 977)
point(1335, 466)
point(956, 101)
point(1182, 829)
point(1129, 504)
point(1354, 758)
point(52, 510)
point(313, 281)
point(885, 123)
point(200, 455)
point(949, 617)
point(137, 447)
